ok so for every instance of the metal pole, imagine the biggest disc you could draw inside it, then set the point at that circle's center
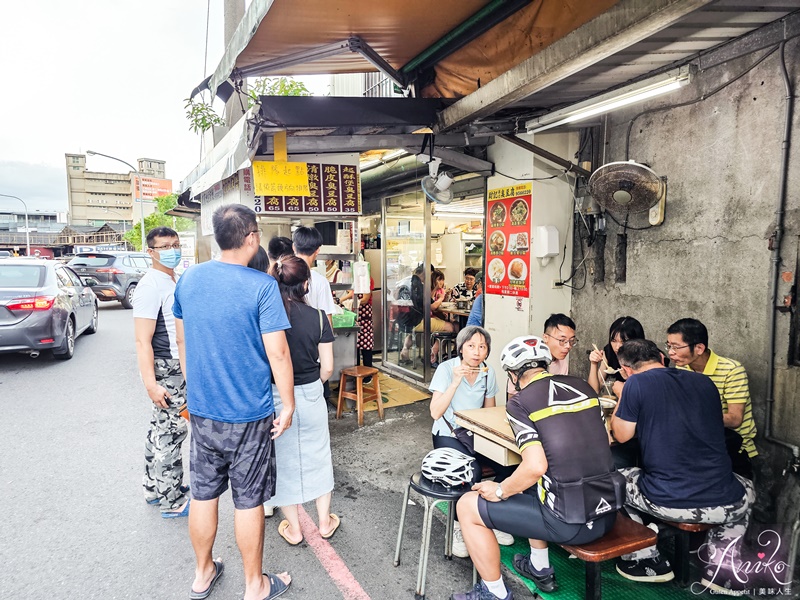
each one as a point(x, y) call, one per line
point(138, 178)
point(27, 230)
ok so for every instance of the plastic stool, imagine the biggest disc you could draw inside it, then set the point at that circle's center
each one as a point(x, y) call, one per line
point(432, 493)
point(359, 373)
point(447, 339)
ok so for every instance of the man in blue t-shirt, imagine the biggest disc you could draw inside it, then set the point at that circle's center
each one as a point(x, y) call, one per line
point(686, 475)
point(230, 327)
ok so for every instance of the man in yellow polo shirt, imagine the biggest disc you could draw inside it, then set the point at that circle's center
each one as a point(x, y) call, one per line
point(687, 345)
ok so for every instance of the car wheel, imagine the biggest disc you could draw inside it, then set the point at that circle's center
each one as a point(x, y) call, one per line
point(67, 349)
point(95, 321)
point(127, 301)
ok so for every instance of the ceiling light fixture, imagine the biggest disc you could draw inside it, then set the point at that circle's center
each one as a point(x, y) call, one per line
point(637, 92)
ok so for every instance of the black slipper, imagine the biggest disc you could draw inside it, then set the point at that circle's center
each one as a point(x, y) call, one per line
point(276, 586)
point(220, 567)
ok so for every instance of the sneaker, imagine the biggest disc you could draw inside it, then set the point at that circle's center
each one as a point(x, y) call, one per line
point(459, 547)
point(503, 538)
point(545, 579)
point(650, 570)
point(480, 592)
point(268, 511)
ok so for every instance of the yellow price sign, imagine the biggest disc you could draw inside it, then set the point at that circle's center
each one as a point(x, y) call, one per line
point(280, 178)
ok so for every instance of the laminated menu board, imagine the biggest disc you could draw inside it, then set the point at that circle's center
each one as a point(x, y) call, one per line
point(508, 236)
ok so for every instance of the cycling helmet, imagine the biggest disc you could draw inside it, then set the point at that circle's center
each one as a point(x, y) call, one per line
point(525, 351)
point(448, 467)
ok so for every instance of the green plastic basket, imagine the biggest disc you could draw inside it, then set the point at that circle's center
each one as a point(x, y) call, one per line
point(347, 319)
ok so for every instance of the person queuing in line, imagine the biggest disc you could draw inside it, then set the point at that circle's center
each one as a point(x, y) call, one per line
point(225, 306)
point(534, 501)
point(466, 290)
point(559, 335)
point(306, 242)
point(278, 246)
point(476, 312)
point(305, 466)
point(260, 261)
point(462, 383)
point(686, 474)
point(160, 369)
point(687, 344)
point(365, 339)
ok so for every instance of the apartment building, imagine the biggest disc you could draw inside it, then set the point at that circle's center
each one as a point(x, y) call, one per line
point(96, 198)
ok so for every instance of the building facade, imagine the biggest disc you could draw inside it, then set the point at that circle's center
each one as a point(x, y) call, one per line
point(96, 198)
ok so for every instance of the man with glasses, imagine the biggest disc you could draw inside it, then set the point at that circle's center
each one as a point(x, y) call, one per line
point(230, 327)
point(559, 335)
point(160, 370)
point(687, 345)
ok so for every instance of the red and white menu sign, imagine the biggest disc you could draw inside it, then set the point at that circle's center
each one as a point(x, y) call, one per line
point(508, 235)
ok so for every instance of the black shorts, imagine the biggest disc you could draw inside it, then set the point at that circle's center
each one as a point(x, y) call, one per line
point(243, 453)
point(524, 515)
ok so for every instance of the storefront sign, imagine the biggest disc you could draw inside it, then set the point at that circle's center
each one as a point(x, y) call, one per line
point(277, 178)
point(508, 241)
point(334, 188)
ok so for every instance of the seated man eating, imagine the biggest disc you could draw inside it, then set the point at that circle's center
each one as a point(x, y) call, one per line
point(686, 475)
point(559, 429)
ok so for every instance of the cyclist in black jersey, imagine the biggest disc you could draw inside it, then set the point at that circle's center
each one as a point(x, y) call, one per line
point(565, 490)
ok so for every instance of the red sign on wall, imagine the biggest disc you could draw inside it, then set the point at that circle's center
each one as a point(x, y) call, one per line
point(508, 241)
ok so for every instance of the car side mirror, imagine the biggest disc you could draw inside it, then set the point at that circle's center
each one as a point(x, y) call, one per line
point(90, 281)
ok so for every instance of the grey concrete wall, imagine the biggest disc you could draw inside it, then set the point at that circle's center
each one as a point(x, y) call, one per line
point(710, 259)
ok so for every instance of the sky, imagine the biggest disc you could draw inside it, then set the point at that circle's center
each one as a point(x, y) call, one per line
point(106, 75)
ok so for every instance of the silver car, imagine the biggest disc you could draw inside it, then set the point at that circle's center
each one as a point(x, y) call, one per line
point(44, 305)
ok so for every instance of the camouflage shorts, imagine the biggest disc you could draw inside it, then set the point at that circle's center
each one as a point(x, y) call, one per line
point(243, 453)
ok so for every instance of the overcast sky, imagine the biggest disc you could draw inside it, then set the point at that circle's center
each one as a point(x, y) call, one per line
point(104, 75)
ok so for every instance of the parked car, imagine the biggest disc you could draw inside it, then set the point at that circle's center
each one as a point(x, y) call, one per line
point(5, 254)
point(117, 273)
point(43, 305)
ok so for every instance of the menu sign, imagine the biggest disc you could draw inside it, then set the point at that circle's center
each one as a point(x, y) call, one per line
point(333, 189)
point(508, 241)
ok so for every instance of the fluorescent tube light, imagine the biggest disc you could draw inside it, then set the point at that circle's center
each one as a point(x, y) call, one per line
point(637, 92)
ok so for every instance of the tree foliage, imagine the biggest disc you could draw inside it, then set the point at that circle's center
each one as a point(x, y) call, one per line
point(159, 218)
point(201, 115)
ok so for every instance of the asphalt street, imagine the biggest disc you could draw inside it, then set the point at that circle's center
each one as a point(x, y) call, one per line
point(75, 525)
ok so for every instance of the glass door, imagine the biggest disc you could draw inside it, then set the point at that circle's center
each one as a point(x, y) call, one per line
point(406, 323)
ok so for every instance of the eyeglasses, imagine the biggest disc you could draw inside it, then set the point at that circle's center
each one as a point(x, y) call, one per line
point(258, 231)
point(173, 246)
point(563, 342)
point(671, 347)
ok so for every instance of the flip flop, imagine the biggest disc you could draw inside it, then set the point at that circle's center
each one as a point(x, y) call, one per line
point(220, 567)
point(336, 523)
point(276, 586)
point(282, 527)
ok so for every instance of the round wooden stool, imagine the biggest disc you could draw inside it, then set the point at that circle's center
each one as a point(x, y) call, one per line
point(360, 395)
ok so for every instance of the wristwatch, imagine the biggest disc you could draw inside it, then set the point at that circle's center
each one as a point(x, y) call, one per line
point(499, 492)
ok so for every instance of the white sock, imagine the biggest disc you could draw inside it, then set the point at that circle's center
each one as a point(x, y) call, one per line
point(540, 558)
point(498, 588)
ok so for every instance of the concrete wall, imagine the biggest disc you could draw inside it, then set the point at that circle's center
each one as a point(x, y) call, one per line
point(710, 258)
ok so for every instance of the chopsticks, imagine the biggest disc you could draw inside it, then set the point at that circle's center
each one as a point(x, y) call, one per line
point(606, 369)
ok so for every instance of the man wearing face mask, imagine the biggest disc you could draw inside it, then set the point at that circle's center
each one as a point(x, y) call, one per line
point(160, 369)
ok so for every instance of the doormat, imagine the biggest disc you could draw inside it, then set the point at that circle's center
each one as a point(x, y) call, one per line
point(394, 392)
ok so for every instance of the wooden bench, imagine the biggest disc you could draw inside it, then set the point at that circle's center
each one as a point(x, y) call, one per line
point(625, 537)
point(681, 531)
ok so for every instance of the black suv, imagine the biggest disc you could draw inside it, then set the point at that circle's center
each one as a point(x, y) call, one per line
point(117, 273)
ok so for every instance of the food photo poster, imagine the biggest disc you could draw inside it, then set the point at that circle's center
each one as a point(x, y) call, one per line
point(508, 241)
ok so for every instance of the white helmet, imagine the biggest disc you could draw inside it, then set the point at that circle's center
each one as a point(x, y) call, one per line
point(524, 351)
point(447, 466)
